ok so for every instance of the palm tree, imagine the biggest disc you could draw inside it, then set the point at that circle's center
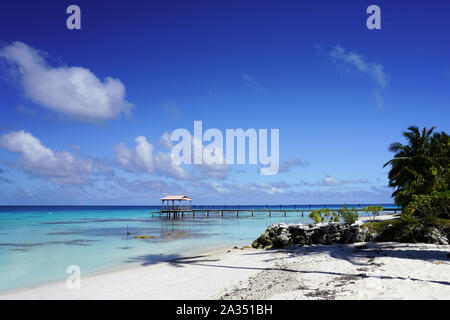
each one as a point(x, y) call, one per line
point(419, 167)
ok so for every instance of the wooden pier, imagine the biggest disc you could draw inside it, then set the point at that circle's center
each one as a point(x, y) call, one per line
point(221, 212)
point(170, 208)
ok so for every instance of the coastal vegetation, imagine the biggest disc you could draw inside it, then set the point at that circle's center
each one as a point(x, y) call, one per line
point(374, 210)
point(420, 172)
point(420, 167)
point(349, 216)
point(324, 215)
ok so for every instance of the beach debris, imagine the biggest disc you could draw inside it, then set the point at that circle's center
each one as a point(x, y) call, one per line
point(145, 237)
point(177, 234)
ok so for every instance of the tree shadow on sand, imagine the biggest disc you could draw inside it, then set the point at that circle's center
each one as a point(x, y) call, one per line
point(365, 255)
point(199, 260)
point(354, 253)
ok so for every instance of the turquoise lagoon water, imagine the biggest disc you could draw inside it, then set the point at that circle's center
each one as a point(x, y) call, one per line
point(37, 244)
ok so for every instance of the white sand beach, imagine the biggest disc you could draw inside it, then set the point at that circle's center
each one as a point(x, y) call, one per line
point(356, 271)
point(372, 271)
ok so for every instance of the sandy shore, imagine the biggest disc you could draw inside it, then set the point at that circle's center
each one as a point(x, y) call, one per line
point(359, 271)
point(365, 271)
point(372, 271)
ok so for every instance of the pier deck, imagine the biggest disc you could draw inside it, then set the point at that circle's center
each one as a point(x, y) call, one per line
point(224, 211)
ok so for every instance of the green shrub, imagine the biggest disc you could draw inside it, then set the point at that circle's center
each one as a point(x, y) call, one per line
point(316, 216)
point(428, 208)
point(375, 210)
point(324, 214)
point(349, 216)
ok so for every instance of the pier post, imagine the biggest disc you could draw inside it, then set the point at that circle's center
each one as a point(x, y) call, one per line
point(221, 213)
point(252, 213)
point(237, 214)
point(284, 213)
point(270, 213)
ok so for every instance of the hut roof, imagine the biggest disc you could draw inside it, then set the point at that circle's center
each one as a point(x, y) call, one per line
point(182, 197)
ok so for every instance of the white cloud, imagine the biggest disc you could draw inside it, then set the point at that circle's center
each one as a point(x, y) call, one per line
point(145, 185)
point(214, 170)
point(220, 188)
point(356, 61)
point(73, 91)
point(171, 109)
point(143, 154)
point(62, 168)
point(374, 70)
point(293, 162)
point(141, 159)
point(258, 188)
point(252, 84)
point(329, 181)
point(165, 141)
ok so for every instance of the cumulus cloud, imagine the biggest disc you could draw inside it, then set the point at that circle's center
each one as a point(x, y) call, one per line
point(330, 181)
point(215, 167)
point(294, 162)
point(165, 141)
point(220, 188)
point(144, 185)
point(62, 168)
point(141, 159)
point(260, 188)
point(72, 91)
point(357, 62)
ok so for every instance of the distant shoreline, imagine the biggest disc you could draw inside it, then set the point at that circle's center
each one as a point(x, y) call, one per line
point(388, 205)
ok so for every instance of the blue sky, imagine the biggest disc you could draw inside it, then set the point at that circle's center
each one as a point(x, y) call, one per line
point(338, 92)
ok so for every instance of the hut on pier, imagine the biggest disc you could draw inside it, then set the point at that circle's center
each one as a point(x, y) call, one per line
point(169, 204)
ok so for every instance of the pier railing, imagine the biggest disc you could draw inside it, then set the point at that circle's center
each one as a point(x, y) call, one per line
point(176, 208)
point(303, 211)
